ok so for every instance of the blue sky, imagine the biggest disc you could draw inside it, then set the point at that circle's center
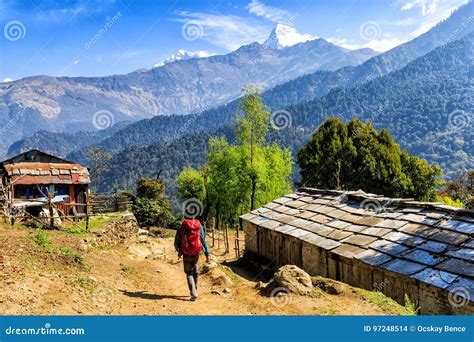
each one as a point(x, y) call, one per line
point(104, 37)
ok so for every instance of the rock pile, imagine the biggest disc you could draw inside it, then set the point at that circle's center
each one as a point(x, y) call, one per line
point(124, 230)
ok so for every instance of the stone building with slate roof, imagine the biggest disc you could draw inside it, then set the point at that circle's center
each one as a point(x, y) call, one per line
point(396, 246)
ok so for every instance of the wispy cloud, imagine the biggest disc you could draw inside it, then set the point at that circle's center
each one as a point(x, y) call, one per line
point(380, 45)
point(225, 30)
point(277, 15)
point(432, 12)
point(427, 6)
point(57, 11)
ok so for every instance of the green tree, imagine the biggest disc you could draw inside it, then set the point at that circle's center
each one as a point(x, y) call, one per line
point(99, 162)
point(324, 157)
point(151, 206)
point(237, 178)
point(459, 191)
point(356, 156)
point(252, 130)
point(191, 184)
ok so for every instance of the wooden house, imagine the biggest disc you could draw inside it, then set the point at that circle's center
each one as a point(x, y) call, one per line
point(34, 178)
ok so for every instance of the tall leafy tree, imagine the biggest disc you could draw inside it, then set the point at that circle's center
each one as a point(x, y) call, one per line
point(99, 161)
point(252, 131)
point(250, 173)
point(356, 156)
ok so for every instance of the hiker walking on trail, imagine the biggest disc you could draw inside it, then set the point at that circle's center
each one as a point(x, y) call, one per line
point(189, 242)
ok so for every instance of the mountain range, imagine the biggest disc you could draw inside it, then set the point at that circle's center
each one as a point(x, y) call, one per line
point(184, 86)
point(305, 88)
point(422, 91)
point(416, 104)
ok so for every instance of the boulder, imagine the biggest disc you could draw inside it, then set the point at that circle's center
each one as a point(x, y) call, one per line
point(329, 286)
point(294, 279)
point(208, 266)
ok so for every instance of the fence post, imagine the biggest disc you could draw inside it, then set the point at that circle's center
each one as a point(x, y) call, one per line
point(226, 238)
point(51, 212)
point(87, 210)
point(237, 237)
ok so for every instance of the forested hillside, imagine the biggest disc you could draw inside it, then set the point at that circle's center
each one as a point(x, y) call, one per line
point(427, 106)
point(305, 88)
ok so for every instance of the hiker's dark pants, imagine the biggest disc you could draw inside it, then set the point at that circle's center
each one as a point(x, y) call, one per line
point(191, 269)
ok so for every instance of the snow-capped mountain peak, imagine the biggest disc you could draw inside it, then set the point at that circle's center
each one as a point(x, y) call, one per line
point(283, 36)
point(183, 55)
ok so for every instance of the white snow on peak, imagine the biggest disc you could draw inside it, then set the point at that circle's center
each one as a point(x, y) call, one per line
point(283, 36)
point(183, 54)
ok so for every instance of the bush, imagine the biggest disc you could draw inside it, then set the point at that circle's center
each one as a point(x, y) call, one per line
point(152, 212)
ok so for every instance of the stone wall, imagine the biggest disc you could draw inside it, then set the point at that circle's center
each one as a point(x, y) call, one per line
point(277, 248)
point(123, 230)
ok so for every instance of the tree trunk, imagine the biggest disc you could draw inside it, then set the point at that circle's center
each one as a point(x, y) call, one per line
point(252, 198)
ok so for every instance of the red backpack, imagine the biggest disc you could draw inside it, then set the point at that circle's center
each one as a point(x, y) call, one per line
point(191, 237)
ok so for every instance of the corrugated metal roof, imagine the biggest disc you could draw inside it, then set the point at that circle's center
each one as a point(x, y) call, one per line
point(47, 173)
point(430, 242)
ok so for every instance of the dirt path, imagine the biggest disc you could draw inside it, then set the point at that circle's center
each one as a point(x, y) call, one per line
point(143, 278)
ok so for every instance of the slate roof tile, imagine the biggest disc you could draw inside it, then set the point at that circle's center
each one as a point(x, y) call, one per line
point(320, 218)
point(283, 200)
point(305, 214)
point(311, 207)
point(355, 228)
point(370, 220)
point(336, 213)
point(419, 229)
point(376, 231)
point(295, 204)
point(348, 251)
point(271, 205)
point(423, 257)
point(449, 237)
point(433, 246)
point(270, 224)
point(388, 247)
point(404, 239)
point(373, 258)
point(389, 223)
point(463, 287)
point(359, 240)
point(458, 226)
point(403, 266)
point(462, 253)
point(437, 278)
point(351, 218)
point(457, 266)
point(339, 235)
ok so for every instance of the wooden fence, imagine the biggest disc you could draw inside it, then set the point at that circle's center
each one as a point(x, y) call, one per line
point(221, 238)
